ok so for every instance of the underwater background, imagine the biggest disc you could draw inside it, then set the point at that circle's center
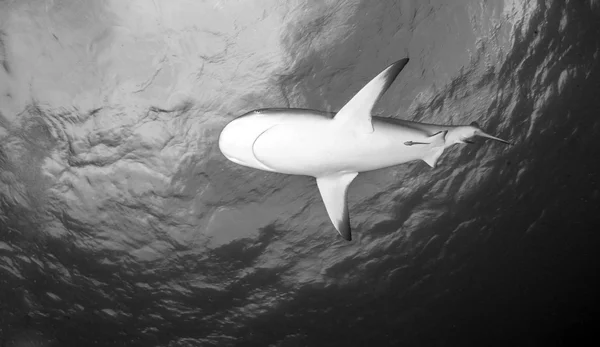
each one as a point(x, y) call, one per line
point(121, 223)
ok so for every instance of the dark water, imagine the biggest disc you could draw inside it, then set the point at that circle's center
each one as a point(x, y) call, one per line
point(496, 246)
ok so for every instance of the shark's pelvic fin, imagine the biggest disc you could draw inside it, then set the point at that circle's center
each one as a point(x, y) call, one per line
point(357, 112)
point(334, 191)
point(438, 140)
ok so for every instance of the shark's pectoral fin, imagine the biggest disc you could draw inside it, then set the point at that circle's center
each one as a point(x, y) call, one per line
point(334, 191)
point(357, 112)
point(438, 141)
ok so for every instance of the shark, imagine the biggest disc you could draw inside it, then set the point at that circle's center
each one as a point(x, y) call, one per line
point(334, 147)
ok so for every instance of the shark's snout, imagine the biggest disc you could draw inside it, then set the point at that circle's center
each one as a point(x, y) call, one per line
point(227, 142)
point(237, 139)
point(235, 142)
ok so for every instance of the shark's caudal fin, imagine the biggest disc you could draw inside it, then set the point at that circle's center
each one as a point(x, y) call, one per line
point(334, 191)
point(438, 142)
point(357, 112)
point(479, 132)
point(488, 136)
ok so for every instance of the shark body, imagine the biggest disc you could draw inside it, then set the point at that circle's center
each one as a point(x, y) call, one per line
point(335, 147)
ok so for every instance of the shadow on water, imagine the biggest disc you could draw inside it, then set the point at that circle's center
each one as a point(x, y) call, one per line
point(529, 281)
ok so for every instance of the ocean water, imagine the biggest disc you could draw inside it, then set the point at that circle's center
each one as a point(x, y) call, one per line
point(121, 224)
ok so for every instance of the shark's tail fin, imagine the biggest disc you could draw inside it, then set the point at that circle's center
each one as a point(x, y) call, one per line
point(488, 136)
point(479, 132)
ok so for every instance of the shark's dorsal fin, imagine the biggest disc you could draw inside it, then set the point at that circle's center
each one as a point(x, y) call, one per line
point(357, 112)
point(334, 191)
point(438, 141)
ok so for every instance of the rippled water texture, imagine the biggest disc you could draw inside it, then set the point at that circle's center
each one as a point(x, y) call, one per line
point(121, 223)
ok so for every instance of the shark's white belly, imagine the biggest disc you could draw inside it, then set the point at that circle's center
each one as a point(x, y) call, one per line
point(309, 148)
point(320, 147)
point(305, 142)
